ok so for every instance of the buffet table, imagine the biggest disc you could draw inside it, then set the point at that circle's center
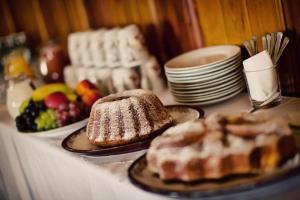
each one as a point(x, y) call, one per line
point(34, 167)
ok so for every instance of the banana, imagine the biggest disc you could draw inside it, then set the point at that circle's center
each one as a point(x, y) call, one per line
point(71, 96)
point(43, 91)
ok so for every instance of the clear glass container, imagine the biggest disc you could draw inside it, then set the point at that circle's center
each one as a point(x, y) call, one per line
point(19, 89)
point(263, 87)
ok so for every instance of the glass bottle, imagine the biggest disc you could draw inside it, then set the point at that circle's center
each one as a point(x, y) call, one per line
point(52, 63)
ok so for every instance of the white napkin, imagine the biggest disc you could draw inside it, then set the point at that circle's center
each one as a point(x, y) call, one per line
point(261, 76)
point(259, 61)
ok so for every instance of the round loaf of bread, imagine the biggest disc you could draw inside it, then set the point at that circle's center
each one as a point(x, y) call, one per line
point(126, 117)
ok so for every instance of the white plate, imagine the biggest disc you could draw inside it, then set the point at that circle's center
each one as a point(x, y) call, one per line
point(211, 83)
point(216, 88)
point(203, 57)
point(208, 67)
point(206, 70)
point(197, 77)
point(210, 96)
point(209, 102)
point(205, 73)
point(58, 132)
point(207, 77)
point(204, 86)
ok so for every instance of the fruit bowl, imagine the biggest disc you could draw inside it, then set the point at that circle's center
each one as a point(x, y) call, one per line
point(54, 109)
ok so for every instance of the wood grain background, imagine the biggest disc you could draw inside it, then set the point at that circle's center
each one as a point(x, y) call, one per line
point(170, 26)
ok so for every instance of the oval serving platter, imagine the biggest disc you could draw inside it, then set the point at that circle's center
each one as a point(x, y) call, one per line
point(77, 142)
point(141, 177)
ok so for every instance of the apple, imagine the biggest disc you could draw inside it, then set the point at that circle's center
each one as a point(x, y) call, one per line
point(84, 86)
point(90, 97)
point(54, 100)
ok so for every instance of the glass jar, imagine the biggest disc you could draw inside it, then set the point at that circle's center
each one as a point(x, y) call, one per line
point(19, 89)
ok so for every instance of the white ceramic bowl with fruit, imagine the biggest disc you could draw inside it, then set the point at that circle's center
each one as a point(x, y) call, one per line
point(56, 110)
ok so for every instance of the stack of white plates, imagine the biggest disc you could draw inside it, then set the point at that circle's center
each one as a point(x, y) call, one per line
point(206, 76)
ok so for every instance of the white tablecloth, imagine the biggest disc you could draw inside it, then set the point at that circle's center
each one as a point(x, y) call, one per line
point(33, 167)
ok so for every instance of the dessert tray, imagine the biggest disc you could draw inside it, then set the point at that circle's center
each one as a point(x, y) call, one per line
point(78, 142)
point(141, 177)
point(58, 132)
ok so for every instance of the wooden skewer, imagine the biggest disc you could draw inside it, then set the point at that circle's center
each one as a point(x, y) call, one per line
point(277, 46)
point(284, 44)
point(254, 43)
point(264, 43)
point(248, 47)
point(273, 41)
point(269, 43)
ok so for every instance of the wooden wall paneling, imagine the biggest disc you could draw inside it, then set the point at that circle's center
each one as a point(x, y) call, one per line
point(151, 25)
point(288, 69)
point(7, 23)
point(151, 28)
point(64, 17)
point(290, 63)
point(266, 18)
point(147, 12)
point(40, 21)
point(90, 7)
point(291, 14)
point(211, 22)
point(104, 13)
point(56, 17)
point(169, 36)
point(130, 9)
point(25, 19)
point(77, 15)
point(116, 12)
point(119, 10)
point(236, 21)
point(194, 20)
point(113, 13)
point(176, 26)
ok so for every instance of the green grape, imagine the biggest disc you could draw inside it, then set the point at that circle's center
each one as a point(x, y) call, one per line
point(44, 115)
point(47, 126)
point(53, 125)
point(46, 120)
point(51, 114)
point(40, 124)
point(24, 105)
